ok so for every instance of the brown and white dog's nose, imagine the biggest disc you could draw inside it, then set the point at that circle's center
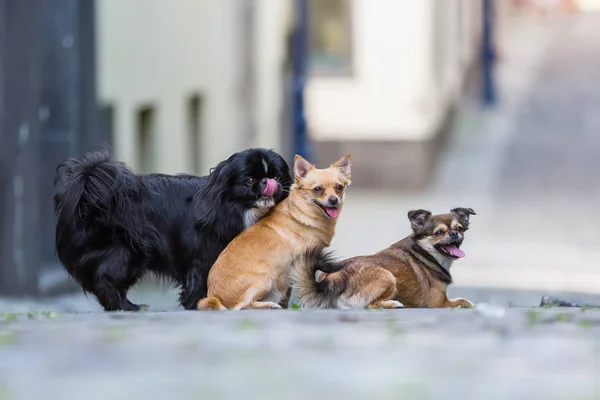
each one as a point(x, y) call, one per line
point(333, 200)
point(454, 235)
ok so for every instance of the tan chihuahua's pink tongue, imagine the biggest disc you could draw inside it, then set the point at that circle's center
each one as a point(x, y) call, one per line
point(455, 251)
point(332, 212)
point(270, 188)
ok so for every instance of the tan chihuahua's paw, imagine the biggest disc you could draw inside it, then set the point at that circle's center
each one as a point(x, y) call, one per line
point(262, 305)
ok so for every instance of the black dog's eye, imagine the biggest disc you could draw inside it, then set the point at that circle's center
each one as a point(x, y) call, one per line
point(439, 233)
point(318, 189)
point(339, 187)
point(249, 180)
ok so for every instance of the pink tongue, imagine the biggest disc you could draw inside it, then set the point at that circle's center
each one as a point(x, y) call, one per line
point(332, 212)
point(455, 251)
point(270, 188)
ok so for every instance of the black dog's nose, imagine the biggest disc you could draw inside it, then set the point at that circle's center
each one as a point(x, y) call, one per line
point(333, 201)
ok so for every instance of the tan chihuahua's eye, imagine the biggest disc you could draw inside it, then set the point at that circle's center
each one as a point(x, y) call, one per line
point(459, 229)
point(318, 189)
point(439, 233)
point(339, 187)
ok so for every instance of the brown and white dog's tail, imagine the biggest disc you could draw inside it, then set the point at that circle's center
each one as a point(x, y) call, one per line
point(211, 303)
point(318, 279)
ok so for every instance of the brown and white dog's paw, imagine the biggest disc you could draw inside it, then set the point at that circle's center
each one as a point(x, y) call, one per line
point(392, 304)
point(460, 302)
point(387, 304)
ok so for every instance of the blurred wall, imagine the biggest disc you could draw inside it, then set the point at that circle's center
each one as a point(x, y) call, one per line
point(409, 62)
point(191, 81)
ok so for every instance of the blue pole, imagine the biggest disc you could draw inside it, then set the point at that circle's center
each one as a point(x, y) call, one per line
point(488, 55)
point(299, 55)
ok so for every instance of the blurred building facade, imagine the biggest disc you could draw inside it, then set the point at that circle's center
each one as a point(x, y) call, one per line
point(386, 76)
point(190, 82)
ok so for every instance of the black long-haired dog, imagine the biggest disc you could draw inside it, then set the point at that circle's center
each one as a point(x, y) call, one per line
point(113, 226)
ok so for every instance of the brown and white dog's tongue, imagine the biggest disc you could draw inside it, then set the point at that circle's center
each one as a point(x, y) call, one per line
point(455, 251)
point(332, 212)
point(270, 188)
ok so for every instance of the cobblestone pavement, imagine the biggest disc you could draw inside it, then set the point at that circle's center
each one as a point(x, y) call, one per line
point(492, 353)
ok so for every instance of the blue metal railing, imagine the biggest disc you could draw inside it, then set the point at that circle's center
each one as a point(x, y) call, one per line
point(488, 55)
point(299, 56)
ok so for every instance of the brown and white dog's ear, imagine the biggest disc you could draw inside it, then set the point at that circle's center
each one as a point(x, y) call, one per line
point(301, 167)
point(463, 214)
point(418, 219)
point(344, 164)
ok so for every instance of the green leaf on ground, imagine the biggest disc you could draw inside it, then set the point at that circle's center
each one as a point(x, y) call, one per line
point(533, 317)
point(7, 338)
point(247, 324)
point(115, 333)
point(5, 393)
point(394, 329)
point(586, 323)
point(50, 314)
point(10, 317)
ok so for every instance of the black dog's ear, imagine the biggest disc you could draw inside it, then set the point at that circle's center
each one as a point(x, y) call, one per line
point(418, 218)
point(463, 213)
point(213, 196)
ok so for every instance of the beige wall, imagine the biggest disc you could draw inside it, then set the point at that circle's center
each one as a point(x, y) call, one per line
point(410, 59)
point(158, 53)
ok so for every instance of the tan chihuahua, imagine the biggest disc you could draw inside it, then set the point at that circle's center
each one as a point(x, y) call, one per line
point(254, 269)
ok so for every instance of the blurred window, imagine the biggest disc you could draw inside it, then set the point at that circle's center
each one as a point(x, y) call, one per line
point(330, 37)
point(146, 127)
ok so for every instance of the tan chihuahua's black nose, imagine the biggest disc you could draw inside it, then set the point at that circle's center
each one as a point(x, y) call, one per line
point(454, 235)
point(333, 200)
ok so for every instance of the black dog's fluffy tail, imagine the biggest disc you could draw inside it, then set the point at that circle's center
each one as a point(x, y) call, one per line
point(94, 190)
point(318, 279)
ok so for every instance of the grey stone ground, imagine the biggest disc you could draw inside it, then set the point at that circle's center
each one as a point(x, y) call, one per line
point(529, 170)
point(404, 354)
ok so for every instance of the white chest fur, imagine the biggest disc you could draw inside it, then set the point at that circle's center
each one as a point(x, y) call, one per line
point(260, 209)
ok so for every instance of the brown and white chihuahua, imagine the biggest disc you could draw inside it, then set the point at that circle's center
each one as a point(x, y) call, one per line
point(254, 269)
point(413, 272)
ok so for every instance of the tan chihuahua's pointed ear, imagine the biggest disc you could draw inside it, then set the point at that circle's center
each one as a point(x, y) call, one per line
point(301, 167)
point(344, 164)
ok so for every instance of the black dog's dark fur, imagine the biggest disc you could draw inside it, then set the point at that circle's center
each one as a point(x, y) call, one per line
point(113, 226)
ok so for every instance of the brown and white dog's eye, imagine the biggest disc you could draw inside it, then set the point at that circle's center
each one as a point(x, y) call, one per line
point(318, 189)
point(339, 187)
point(459, 229)
point(439, 233)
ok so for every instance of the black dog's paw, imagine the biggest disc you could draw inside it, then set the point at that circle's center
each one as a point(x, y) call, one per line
point(135, 307)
